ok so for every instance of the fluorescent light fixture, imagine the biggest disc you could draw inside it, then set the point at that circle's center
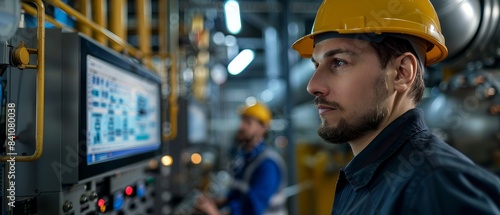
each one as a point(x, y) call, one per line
point(233, 20)
point(240, 62)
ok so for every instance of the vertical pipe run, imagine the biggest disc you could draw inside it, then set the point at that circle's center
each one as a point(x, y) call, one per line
point(118, 21)
point(162, 41)
point(272, 52)
point(165, 35)
point(162, 26)
point(84, 8)
point(285, 68)
point(98, 15)
point(143, 15)
point(40, 91)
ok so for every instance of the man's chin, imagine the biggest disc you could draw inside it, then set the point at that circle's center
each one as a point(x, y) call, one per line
point(242, 140)
point(328, 126)
point(334, 133)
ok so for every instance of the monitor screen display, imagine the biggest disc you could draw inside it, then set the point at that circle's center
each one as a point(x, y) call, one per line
point(123, 113)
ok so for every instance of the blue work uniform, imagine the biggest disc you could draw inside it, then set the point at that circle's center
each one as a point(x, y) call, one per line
point(408, 170)
point(258, 182)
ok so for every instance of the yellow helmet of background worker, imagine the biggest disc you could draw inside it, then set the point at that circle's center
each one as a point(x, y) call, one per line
point(407, 17)
point(258, 111)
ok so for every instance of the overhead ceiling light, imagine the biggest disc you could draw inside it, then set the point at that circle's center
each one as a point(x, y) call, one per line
point(219, 38)
point(218, 74)
point(240, 62)
point(230, 40)
point(233, 20)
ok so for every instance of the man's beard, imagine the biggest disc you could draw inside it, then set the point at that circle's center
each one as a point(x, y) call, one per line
point(242, 137)
point(360, 124)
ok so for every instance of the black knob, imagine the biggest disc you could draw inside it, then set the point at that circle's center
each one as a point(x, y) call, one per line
point(84, 198)
point(93, 196)
point(132, 206)
point(150, 210)
point(67, 206)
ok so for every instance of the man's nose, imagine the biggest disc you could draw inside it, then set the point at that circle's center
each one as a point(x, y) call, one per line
point(317, 85)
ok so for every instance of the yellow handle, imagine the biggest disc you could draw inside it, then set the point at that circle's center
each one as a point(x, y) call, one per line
point(40, 93)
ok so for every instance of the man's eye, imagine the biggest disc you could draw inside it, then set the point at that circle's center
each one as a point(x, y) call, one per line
point(339, 63)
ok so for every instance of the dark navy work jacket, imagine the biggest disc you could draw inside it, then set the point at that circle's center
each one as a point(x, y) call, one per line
point(408, 170)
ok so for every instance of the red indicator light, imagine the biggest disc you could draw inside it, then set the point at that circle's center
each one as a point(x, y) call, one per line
point(100, 203)
point(129, 190)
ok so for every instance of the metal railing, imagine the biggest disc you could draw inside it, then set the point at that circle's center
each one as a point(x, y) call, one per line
point(102, 35)
point(40, 93)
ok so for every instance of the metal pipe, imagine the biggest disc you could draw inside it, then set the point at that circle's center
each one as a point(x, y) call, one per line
point(143, 15)
point(80, 18)
point(164, 55)
point(40, 93)
point(98, 14)
point(117, 22)
point(32, 11)
point(287, 110)
point(162, 26)
point(84, 7)
point(172, 99)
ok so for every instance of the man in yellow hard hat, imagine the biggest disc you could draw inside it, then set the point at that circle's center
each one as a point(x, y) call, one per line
point(258, 172)
point(369, 57)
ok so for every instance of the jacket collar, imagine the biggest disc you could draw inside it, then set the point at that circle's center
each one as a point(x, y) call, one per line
point(362, 167)
point(251, 154)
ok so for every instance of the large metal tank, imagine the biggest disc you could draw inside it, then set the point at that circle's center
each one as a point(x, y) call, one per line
point(460, 21)
point(472, 32)
point(464, 112)
point(464, 109)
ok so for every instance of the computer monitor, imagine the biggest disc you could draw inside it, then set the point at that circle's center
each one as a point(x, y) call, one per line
point(122, 112)
point(111, 110)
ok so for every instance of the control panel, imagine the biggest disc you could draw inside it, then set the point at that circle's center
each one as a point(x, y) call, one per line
point(74, 176)
point(123, 194)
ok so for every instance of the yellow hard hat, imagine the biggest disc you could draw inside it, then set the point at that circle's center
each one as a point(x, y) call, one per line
point(407, 17)
point(258, 111)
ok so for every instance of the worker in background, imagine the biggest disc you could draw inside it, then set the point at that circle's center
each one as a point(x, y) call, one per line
point(258, 172)
point(369, 57)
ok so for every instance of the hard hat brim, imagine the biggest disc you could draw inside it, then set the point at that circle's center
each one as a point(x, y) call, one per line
point(305, 45)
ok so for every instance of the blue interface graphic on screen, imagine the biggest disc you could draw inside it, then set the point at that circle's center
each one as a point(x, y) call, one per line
point(122, 113)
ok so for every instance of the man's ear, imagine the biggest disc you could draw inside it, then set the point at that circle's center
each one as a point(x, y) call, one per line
point(406, 67)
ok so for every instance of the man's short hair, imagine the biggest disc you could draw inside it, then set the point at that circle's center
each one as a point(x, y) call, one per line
point(392, 47)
